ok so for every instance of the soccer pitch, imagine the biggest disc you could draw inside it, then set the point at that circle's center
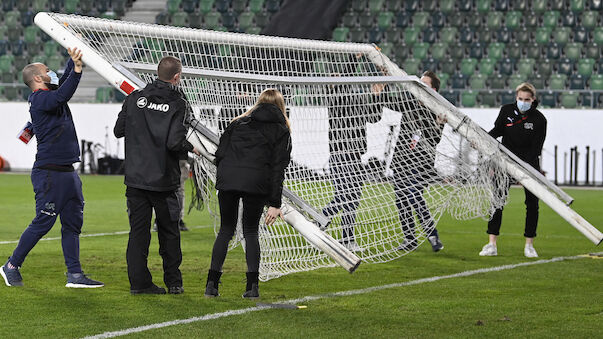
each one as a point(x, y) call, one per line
point(549, 298)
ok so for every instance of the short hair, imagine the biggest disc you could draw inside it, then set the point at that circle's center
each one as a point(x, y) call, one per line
point(526, 87)
point(29, 72)
point(168, 67)
point(435, 81)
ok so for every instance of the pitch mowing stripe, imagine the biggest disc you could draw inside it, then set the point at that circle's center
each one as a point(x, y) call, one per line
point(90, 235)
point(329, 295)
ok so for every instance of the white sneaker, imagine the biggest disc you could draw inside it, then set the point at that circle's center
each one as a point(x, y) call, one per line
point(353, 246)
point(529, 251)
point(489, 250)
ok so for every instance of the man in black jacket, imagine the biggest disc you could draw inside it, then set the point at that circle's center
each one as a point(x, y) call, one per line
point(523, 130)
point(151, 120)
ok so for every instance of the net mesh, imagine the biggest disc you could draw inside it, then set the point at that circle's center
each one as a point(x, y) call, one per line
point(372, 157)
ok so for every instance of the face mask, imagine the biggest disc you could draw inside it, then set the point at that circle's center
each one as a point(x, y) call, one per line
point(54, 80)
point(523, 106)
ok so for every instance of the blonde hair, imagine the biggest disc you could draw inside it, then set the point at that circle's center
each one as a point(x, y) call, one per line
point(526, 87)
point(269, 96)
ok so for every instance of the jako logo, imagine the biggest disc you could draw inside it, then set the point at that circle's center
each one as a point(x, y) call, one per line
point(159, 107)
point(141, 102)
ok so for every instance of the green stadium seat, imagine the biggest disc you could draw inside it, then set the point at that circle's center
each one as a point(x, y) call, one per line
point(411, 66)
point(30, 34)
point(577, 5)
point(438, 20)
point(393, 5)
point(429, 64)
point(443, 80)
point(206, 6)
point(495, 50)
point(534, 51)
point(577, 81)
point(245, 21)
point(429, 5)
point(538, 81)
point(598, 35)
point(12, 19)
point(366, 19)
point(507, 97)
point(387, 48)
point(531, 20)
point(420, 19)
point(448, 66)
point(494, 20)
point(6, 63)
point(438, 50)
point(51, 48)
point(229, 19)
point(12, 93)
point(55, 62)
point(520, 5)
point(557, 81)
point(497, 81)
point(411, 34)
point(339, 33)
point(447, 6)
point(569, 99)
point(585, 67)
point(188, 6)
point(516, 80)
point(70, 6)
point(253, 30)
point(513, 20)
point(456, 51)
point(548, 99)
point(162, 18)
point(173, 6)
point(104, 94)
point(484, 36)
point(20, 62)
point(483, 6)
point(542, 35)
point(589, 19)
point(544, 67)
point(262, 19)
point(562, 35)
point(212, 20)
point(384, 20)
point(7, 77)
point(477, 81)
point(557, 5)
point(488, 98)
point(458, 81)
point(357, 34)
point(539, 6)
point(195, 20)
point(596, 82)
point(573, 51)
point(514, 51)
point(222, 6)
point(468, 98)
point(403, 19)
point(358, 5)
point(587, 100)
point(565, 66)
point(448, 35)
point(392, 35)
point(419, 50)
point(592, 51)
point(474, 21)
point(525, 67)
point(487, 66)
point(180, 19)
point(430, 35)
point(239, 6)
point(401, 51)
point(39, 5)
point(505, 66)
point(476, 50)
point(349, 19)
point(375, 5)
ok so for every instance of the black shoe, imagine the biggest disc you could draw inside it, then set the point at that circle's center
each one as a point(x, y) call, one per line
point(175, 290)
point(211, 288)
point(154, 289)
point(252, 293)
point(182, 226)
point(435, 242)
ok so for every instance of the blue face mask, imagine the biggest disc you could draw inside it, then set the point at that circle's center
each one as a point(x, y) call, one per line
point(54, 80)
point(523, 106)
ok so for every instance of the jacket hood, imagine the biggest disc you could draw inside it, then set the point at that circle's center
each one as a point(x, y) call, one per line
point(268, 113)
point(162, 91)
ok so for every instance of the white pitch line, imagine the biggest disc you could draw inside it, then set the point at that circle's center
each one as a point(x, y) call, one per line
point(88, 235)
point(326, 296)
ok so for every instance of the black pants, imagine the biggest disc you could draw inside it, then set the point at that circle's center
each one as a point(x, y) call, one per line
point(409, 188)
point(167, 209)
point(253, 206)
point(531, 216)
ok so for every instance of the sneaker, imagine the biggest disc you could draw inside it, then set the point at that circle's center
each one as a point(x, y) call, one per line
point(12, 276)
point(154, 289)
point(154, 226)
point(80, 280)
point(175, 290)
point(182, 226)
point(253, 293)
point(408, 245)
point(211, 290)
point(352, 246)
point(529, 251)
point(436, 244)
point(489, 250)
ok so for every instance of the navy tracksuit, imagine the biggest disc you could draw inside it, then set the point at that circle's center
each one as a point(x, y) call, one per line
point(57, 187)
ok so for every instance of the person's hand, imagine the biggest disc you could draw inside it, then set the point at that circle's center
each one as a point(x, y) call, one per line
point(272, 214)
point(76, 56)
point(440, 119)
point(196, 151)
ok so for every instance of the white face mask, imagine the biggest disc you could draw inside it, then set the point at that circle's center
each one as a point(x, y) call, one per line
point(54, 80)
point(523, 106)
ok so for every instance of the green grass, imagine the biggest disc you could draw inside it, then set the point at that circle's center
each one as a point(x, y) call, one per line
point(560, 299)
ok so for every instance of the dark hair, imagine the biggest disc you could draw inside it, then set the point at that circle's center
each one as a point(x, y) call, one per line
point(435, 81)
point(168, 67)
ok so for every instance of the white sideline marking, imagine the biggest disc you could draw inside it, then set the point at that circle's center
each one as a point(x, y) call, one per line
point(90, 235)
point(326, 296)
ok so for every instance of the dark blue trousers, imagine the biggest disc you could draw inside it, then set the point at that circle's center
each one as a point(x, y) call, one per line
point(58, 194)
point(409, 197)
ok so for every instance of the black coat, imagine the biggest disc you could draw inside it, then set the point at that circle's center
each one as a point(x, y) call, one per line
point(151, 120)
point(522, 133)
point(253, 153)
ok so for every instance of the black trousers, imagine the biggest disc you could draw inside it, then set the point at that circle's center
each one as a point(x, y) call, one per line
point(531, 216)
point(140, 209)
point(253, 206)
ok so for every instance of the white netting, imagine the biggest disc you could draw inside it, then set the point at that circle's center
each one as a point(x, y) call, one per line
point(372, 157)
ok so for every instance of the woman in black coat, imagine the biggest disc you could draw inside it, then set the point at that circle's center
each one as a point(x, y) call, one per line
point(252, 156)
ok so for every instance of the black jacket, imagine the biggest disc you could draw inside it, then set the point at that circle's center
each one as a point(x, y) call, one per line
point(522, 133)
point(152, 122)
point(253, 153)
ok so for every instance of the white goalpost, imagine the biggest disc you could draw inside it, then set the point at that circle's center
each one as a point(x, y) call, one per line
point(377, 156)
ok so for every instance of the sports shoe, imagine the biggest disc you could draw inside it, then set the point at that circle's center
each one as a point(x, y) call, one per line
point(12, 276)
point(529, 251)
point(352, 246)
point(182, 226)
point(175, 290)
point(489, 250)
point(80, 280)
point(436, 244)
point(154, 289)
point(253, 293)
point(408, 245)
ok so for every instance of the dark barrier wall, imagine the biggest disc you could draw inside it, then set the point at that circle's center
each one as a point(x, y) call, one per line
point(308, 19)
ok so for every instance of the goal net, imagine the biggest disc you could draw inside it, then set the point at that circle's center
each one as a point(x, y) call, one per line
point(378, 158)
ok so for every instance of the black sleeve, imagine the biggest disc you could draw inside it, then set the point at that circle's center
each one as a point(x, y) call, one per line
point(176, 141)
point(499, 126)
point(224, 142)
point(67, 70)
point(537, 142)
point(120, 125)
point(280, 161)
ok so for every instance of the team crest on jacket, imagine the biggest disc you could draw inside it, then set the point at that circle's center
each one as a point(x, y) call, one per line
point(529, 125)
point(141, 102)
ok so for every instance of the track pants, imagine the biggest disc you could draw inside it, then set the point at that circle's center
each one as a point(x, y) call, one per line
point(58, 194)
point(167, 209)
point(531, 202)
point(409, 197)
